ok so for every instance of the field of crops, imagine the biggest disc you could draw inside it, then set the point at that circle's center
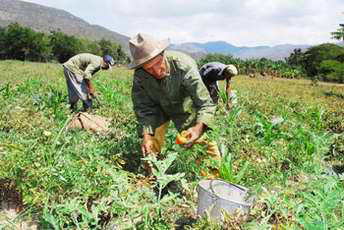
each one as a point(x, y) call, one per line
point(283, 140)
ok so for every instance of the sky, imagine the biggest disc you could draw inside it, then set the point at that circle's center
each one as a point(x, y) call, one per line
point(239, 22)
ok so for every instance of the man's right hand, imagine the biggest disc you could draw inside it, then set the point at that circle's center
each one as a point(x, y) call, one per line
point(90, 87)
point(147, 144)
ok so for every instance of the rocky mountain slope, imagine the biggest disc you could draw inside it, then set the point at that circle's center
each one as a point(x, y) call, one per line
point(46, 19)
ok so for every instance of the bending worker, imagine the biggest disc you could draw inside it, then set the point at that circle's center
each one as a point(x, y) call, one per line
point(167, 86)
point(78, 71)
point(213, 72)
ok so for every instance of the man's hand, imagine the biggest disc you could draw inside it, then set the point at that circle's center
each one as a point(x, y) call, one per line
point(147, 145)
point(229, 104)
point(196, 132)
point(90, 87)
point(228, 92)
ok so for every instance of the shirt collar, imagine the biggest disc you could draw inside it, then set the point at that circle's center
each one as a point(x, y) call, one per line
point(168, 67)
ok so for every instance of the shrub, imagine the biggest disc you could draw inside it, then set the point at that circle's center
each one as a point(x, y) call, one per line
point(24, 44)
point(64, 46)
point(332, 70)
point(316, 54)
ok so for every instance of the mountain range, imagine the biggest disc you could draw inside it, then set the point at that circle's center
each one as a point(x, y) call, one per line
point(46, 19)
point(272, 52)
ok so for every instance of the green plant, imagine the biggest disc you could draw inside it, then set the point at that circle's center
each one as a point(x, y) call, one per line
point(226, 169)
point(332, 70)
point(23, 43)
point(163, 179)
point(267, 129)
point(315, 55)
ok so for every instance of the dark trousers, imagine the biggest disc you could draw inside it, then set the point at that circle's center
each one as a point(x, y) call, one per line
point(77, 90)
point(213, 90)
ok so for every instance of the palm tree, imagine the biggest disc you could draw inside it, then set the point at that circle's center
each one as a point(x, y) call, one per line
point(339, 34)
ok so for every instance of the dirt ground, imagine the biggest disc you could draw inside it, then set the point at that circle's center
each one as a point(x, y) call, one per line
point(10, 218)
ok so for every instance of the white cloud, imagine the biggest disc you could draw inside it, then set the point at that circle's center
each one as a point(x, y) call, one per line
point(246, 22)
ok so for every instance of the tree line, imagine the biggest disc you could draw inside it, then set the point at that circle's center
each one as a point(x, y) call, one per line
point(323, 62)
point(256, 66)
point(23, 43)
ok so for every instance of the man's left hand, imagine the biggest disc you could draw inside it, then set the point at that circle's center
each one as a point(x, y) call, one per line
point(196, 132)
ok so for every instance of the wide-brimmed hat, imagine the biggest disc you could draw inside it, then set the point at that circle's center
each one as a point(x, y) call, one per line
point(143, 48)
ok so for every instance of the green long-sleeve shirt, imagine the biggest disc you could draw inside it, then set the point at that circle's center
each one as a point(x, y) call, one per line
point(84, 64)
point(180, 96)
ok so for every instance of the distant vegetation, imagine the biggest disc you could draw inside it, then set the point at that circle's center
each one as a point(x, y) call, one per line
point(323, 62)
point(254, 67)
point(23, 43)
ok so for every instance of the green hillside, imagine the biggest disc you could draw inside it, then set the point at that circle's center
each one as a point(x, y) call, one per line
point(79, 180)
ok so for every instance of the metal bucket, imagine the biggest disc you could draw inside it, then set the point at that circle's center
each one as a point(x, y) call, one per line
point(216, 195)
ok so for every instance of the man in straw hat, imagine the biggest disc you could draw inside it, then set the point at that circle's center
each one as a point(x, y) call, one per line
point(78, 71)
point(213, 72)
point(167, 86)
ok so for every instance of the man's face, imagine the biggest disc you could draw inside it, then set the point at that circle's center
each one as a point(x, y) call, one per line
point(156, 67)
point(104, 65)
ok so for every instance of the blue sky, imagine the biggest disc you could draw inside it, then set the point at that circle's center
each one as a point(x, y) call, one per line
point(244, 23)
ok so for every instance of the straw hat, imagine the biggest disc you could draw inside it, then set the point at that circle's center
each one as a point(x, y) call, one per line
point(143, 48)
point(231, 70)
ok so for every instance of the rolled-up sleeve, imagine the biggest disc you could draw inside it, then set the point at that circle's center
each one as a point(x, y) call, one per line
point(200, 97)
point(146, 111)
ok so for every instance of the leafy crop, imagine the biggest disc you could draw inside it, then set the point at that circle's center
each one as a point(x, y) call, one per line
point(257, 67)
point(283, 140)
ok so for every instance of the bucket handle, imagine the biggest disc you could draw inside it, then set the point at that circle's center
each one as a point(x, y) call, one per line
point(213, 191)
